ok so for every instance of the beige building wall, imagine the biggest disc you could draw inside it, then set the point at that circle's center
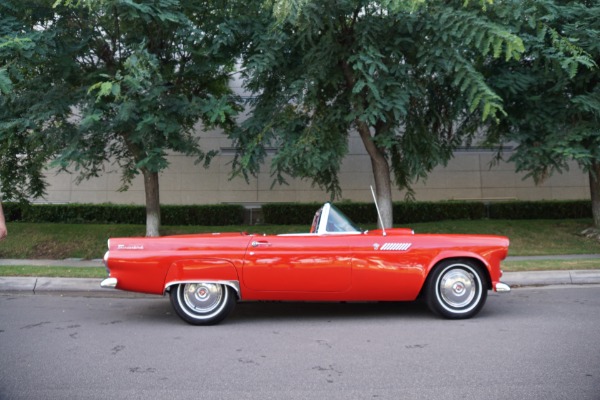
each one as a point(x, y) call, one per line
point(466, 177)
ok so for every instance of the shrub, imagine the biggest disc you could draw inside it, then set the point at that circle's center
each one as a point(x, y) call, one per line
point(12, 211)
point(366, 213)
point(411, 212)
point(289, 213)
point(408, 212)
point(569, 209)
point(210, 215)
point(294, 213)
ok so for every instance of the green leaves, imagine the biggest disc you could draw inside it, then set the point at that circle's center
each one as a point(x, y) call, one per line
point(5, 82)
point(138, 75)
point(103, 89)
point(552, 94)
point(477, 32)
point(467, 39)
point(412, 72)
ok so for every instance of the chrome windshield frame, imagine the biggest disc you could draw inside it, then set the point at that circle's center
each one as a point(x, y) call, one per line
point(333, 221)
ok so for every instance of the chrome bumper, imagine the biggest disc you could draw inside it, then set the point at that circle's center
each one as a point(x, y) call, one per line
point(109, 283)
point(502, 287)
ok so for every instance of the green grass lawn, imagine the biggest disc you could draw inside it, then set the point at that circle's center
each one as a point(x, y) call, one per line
point(53, 272)
point(550, 265)
point(88, 241)
point(527, 237)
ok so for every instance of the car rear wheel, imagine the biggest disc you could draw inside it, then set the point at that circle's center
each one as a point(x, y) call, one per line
point(456, 289)
point(201, 303)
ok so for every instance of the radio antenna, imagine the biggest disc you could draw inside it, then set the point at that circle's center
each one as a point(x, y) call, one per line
point(378, 213)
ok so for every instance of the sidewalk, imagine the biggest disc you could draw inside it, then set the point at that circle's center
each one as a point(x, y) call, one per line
point(513, 279)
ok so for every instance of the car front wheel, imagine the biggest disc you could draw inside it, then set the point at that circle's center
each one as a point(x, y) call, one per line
point(456, 289)
point(202, 303)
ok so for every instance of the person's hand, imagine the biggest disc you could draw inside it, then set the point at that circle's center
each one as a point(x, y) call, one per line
point(3, 231)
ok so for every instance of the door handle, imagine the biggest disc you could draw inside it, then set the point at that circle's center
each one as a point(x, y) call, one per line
point(257, 243)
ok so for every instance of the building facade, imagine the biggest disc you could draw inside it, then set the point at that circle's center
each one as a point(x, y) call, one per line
point(468, 176)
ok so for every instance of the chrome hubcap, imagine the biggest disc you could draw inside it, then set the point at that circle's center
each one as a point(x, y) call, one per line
point(202, 297)
point(458, 288)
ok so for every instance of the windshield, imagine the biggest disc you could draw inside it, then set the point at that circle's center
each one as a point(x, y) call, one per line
point(329, 219)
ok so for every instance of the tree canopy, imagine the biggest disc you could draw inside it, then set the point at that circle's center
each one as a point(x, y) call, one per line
point(90, 83)
point(408, 76)
point(552, 95)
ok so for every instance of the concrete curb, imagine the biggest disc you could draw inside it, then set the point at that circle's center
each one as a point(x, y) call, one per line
point(544, 278)
point(41, 285)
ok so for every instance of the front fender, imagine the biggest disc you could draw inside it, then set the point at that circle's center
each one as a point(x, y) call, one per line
point(444, 255)
point(203, 270)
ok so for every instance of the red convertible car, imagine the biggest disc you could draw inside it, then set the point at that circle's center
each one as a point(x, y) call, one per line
point(206, 274)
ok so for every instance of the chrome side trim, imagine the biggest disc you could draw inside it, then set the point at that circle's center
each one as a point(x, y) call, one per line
point(109, 283)
point(321, 234)
point(502, 287)
point(235, 285)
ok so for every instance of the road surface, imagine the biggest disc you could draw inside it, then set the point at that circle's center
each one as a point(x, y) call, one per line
point(533, 343)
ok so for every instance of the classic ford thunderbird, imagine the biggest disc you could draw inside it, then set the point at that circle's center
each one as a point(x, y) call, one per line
point(206, 274)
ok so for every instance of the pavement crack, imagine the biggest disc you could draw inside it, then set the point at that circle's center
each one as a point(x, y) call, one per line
point(35, 285)
point(35, 325)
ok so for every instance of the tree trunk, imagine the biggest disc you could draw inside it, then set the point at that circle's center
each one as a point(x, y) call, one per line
point(152, 203)
point(595, 192)
point(379, 164)
point(381, 173)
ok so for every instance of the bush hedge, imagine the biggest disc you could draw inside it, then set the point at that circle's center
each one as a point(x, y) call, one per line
point(406, 212)
point(365, 213)
point(289, 213)
point(570, 209)
point(411, 212)
point(209, 215)
point(296, 214)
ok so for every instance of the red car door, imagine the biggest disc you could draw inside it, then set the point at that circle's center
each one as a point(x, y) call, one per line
point(298, 263)
point(389, 267)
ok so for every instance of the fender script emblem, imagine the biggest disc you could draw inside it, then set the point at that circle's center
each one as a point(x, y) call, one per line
point(130, 247)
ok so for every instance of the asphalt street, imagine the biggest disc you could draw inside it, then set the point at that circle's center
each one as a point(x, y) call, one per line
point(532, 343)
point(67, 338)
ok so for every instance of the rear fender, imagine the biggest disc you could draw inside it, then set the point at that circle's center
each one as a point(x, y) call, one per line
point(203, 270)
